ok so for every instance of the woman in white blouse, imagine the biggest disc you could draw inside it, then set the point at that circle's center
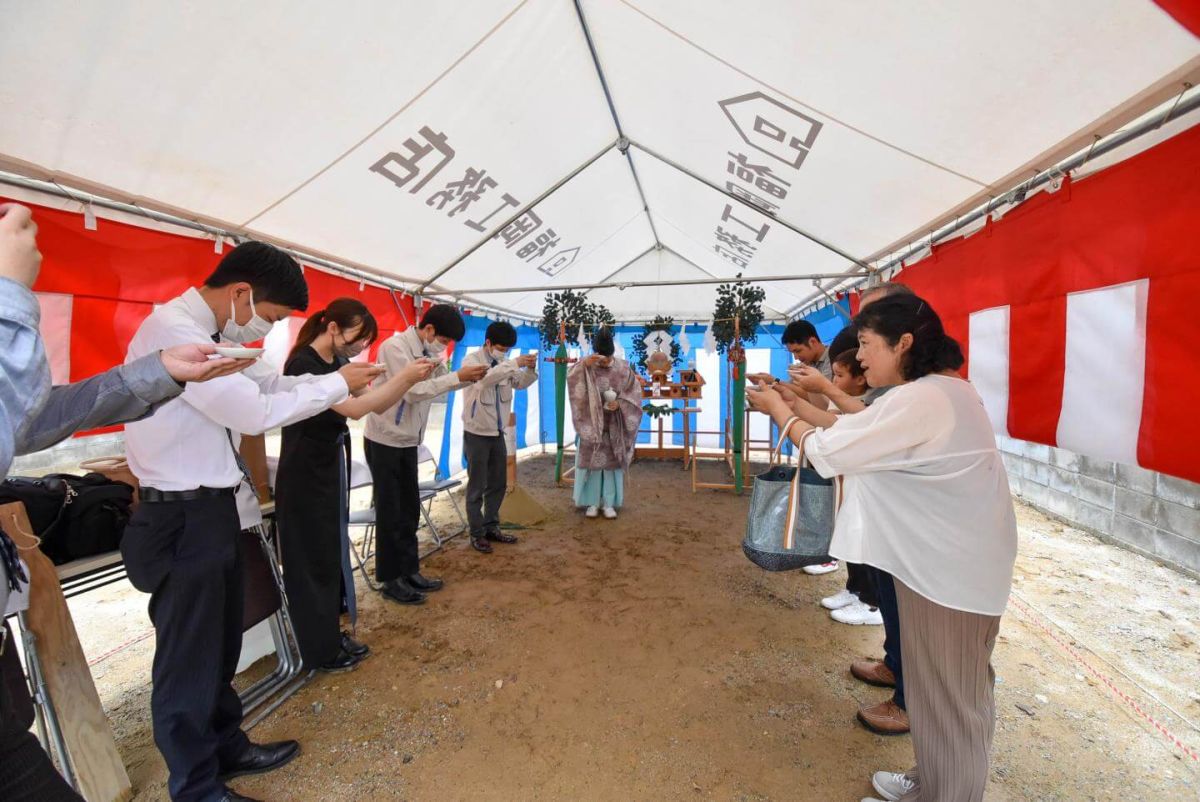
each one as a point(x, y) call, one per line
point(927, 500)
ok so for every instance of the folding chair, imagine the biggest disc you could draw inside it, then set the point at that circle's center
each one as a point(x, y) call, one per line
point(265, 598)
point(360, 476)
point(430, 491)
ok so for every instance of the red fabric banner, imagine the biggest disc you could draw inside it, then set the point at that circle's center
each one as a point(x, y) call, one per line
point(1185, 12)
point(1135, 220)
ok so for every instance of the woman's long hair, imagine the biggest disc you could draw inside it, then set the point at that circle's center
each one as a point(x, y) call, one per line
point(932, 350)
point(347, 313)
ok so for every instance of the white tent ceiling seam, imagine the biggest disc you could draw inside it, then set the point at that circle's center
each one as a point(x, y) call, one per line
point(587, 33)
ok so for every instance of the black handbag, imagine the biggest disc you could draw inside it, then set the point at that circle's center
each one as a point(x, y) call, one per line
point(73, 516)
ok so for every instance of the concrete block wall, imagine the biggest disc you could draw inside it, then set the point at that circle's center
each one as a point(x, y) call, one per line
point(1151, 513)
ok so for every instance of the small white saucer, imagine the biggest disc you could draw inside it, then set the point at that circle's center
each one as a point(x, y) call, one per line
point(238, 352)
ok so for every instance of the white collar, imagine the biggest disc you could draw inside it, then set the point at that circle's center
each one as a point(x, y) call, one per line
point(198, 310)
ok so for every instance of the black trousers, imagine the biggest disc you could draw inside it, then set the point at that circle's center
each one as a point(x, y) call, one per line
point(487, 480)
point(858, 582)
point(885, 594)
point(186, 555)
point(397, 510)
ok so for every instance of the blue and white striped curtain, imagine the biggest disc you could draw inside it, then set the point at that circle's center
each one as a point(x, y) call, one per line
point(534, 407)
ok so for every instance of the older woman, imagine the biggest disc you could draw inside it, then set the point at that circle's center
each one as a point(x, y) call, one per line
point(927, 500)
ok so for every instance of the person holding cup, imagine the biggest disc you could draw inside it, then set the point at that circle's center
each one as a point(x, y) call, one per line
point(606, 408)
point(486, 407)
point(926, 500)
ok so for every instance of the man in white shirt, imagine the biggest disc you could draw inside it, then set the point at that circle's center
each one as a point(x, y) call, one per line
point(181, 545)
point(391, 440)
point(486, 406)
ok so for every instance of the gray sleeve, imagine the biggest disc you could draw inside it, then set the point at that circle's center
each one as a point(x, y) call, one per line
point(119, 395)
point(24, 373)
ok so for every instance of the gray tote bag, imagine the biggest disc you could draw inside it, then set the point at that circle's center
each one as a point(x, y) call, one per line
point(791, 514)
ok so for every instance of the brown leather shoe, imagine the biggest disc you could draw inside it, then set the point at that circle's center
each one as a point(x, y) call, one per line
point(873, 672)
point(885, 718)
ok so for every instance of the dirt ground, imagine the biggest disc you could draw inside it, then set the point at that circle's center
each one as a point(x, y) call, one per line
point(647, 659)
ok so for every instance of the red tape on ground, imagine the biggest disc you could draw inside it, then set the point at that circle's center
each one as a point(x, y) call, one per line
point(1170, 736)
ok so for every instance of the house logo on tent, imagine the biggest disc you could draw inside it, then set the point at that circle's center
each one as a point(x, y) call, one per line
point(771, 127)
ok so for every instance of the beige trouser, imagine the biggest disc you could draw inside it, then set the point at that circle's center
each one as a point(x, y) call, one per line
point(948, 690)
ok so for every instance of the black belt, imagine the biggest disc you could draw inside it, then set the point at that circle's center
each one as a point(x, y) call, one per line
point(150, 495)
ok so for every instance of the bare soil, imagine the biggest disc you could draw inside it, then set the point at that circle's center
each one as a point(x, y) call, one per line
point(646, 658)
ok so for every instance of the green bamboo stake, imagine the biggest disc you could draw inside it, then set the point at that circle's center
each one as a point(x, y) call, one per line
point(739, 421)
point(560, 404)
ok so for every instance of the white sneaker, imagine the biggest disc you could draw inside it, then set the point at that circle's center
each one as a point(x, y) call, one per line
point(592, 512)
point(891, 785)
point(843, 598)
point(858, 614)
point(823, 568)
point(610, 513)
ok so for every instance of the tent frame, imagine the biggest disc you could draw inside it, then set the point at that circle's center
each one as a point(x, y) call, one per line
point(1179, 107)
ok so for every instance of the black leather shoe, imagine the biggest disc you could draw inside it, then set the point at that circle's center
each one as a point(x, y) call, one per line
point(424, 584)
point(233, 796)
point(401, 592)
point(259, 759)
point(481, 544)
point(499, 537)
point(349, 644)
point(344, 661)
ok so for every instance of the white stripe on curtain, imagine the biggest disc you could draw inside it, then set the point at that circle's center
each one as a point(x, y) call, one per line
point(1105, 372)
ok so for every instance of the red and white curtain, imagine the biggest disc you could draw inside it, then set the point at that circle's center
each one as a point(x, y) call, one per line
point(1079, 311)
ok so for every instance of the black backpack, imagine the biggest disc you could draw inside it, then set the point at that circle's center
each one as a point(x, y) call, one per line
point(75, 516)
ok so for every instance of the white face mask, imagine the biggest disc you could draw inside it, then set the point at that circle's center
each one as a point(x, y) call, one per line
point(255, 329)
point(499, 355)
point(435, 349)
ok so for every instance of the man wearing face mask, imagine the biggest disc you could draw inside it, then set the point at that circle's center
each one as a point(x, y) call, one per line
point(181, 546)
point(391, 439)
point(486, 405)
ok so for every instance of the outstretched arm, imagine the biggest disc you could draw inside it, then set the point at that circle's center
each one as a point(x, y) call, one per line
point(379, 398)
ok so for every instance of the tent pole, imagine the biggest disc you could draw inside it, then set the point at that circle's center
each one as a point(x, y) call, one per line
point(616, 272)
point(623, 143)
point(358, 274)
point(678, 255)
point(623, 285)
point(1177, 108)
point(508, 221)
point(749, 205)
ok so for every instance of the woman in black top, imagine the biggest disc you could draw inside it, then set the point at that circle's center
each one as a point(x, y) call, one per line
point(312, 486)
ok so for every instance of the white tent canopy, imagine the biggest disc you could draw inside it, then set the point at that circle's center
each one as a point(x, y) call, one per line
point(469, 147)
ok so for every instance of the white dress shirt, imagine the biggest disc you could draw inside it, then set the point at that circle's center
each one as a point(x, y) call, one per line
point(926, 497)
point(185, 444)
